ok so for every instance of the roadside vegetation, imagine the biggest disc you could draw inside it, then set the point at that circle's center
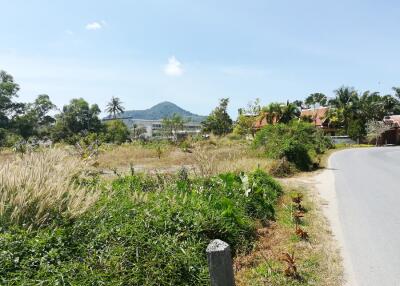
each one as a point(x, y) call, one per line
point(91, 202)
point(296, 249)
point(136, 230)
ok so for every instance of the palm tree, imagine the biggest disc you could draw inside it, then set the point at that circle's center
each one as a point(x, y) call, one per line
point(346, 102)
point(344, 96)
point(396, 91)
point(272, 113)
point(289, 112)
point(114, 107)
point(316, 98)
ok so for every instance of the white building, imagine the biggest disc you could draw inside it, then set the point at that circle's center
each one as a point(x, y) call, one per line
point(154, 127)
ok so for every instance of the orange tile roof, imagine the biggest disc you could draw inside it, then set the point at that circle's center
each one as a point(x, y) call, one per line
point(317, 114)
point(393, 120)
point(262, 121)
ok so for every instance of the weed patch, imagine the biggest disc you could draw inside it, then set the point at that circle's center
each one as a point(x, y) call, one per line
point(145, 230)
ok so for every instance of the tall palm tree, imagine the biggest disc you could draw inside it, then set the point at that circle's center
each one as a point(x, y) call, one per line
point(289, 112)
point(114, 107)
point(272, 113)
point(316, 98)
point(396, 91)
point(346, 99)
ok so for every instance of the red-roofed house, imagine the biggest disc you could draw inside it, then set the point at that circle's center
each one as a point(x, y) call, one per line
point(391, 136)
point(318, 116)
point(261, 121)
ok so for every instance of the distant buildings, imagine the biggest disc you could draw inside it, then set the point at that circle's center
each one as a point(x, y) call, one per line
point(317, 116)
point(154, 128)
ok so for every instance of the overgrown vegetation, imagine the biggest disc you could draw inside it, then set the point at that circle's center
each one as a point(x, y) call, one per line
point(283, 255)
point(42, 187)
point(297, 142)
point(142, 230)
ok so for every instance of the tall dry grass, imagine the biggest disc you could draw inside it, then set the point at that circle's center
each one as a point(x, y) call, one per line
point(212, 160)
point(40, 187)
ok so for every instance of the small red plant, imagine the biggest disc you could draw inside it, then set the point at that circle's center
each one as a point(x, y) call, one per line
point(297, 216)
point(297, 200)
point(301, 233)
point(291, 268)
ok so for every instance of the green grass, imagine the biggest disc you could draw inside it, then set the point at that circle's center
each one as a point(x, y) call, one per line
point(316, 261)
point(143, 231)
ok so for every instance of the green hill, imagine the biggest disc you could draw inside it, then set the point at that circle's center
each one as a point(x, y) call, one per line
point(159, 111)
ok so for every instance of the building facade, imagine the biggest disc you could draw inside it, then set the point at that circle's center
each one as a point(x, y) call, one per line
point(154, 128)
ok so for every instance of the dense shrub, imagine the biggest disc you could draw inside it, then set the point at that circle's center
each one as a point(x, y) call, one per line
point(298, 142)
point(146, 231)
point(282, 168)
point(116, 132)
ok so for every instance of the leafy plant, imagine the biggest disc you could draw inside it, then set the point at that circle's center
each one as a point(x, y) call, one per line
point(297, 216)
point(301, 233)
point(297, 201)
point(291, 267)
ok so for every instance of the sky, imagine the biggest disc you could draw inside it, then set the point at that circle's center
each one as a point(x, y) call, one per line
point(194, 52)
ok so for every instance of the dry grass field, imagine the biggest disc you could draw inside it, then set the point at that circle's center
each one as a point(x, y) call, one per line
point(201, 158)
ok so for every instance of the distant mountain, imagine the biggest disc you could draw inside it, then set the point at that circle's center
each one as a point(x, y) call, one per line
point(160, 111)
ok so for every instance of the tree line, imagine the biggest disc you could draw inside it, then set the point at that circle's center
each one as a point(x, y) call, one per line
point(42, 120)
point(350, 113)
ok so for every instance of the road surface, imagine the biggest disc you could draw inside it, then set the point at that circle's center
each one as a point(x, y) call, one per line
point(367, 184)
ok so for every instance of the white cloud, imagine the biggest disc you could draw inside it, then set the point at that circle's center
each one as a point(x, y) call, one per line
point(69, 32)
point(173, 67)
point(95, 25)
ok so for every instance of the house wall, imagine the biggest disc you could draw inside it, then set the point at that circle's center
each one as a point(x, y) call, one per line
point(391, 137)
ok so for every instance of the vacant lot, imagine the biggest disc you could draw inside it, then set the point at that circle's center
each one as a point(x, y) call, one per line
point(143, 214)
point(202, 158)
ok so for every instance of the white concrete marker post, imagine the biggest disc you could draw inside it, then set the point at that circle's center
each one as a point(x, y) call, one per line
point(220, 263)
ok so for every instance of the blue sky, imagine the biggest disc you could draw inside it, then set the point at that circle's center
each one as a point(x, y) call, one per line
point(195, 52)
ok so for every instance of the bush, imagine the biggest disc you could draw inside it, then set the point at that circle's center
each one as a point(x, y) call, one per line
point(10, 139)
point(116, 132)
point(143, 232)
point(298, 142)
point(282, 168)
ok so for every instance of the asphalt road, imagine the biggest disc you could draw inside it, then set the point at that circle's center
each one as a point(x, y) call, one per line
point(367, 184)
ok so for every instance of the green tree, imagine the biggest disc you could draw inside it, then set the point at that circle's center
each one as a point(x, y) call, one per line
point(244, 125)
point(34, 119)
point(173, 125)
point(114, 107)
point(299, 103)
point(76, 118)
point(219, 122)
point(396, 92)
point(289, 112)
point(247, 117)
point(357, 129)
point(345, 102)
point(298, 142)
point(316, 98)
point(116, 131)
point(272, 112)
point(8, 91)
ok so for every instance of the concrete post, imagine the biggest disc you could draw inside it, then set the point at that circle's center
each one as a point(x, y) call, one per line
point(220, 263)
